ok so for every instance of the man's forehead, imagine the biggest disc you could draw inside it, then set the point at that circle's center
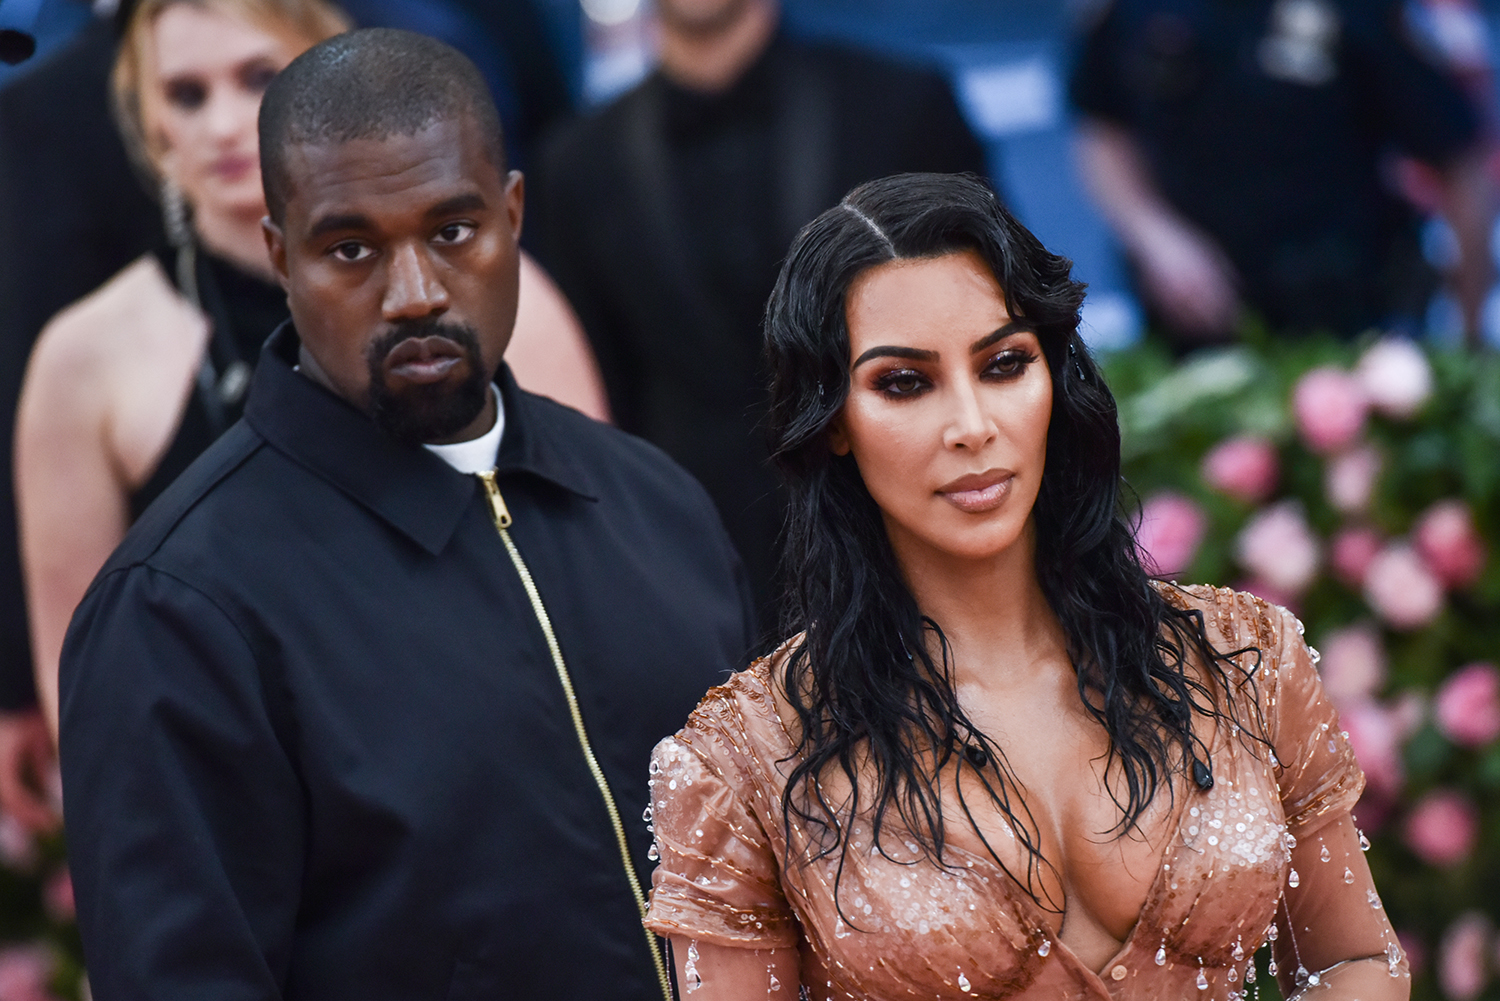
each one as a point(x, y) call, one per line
point(433, 162)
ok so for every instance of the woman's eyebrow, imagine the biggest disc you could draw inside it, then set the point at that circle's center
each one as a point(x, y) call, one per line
point(1014, 326)
point(890, 351)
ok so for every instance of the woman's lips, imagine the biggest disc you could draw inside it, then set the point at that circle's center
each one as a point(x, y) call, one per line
point(978, 492)
point(231, 168)
point(424, 359)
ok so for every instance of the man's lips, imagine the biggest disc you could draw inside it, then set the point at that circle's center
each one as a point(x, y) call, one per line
point(424, 359)
point(978, 492)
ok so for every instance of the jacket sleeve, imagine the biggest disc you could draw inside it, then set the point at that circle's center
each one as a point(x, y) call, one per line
point(184, 810)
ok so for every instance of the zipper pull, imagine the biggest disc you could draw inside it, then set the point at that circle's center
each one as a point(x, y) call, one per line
point(498, 510)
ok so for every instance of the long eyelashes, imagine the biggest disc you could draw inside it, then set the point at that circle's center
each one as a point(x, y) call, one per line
point(903, 383)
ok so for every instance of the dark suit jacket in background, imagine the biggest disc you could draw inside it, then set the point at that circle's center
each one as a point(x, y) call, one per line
point(313, 743)
point(665, 216)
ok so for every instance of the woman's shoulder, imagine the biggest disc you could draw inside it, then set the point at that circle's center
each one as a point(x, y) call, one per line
point(1234, 620)
point(135, 308)
point(745, 717)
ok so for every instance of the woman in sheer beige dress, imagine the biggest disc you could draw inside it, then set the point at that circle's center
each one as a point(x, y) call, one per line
point(996, 761)
point(112, 376)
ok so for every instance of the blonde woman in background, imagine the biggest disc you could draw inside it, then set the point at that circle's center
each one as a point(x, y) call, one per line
point(127, 386)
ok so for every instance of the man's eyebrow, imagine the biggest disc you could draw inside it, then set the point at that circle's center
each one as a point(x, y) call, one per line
point(915, 354)
point(339, 222)
point(471, 201)
point(1005, 331)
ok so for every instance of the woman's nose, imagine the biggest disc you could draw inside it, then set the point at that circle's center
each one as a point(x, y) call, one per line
point(969, 425)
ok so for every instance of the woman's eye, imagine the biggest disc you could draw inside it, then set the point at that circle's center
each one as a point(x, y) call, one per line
point(351, 251)
point(1009, 363)
point(257, 77)
point(188, 95)
point(901, 383)
point(455, 232)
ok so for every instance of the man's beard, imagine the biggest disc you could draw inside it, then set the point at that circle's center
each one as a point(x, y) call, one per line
point(419, 414)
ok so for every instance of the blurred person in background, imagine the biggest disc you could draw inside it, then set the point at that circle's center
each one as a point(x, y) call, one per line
point(130, 384)
point(1241, 150)
point(73, 214)
point(665, 215)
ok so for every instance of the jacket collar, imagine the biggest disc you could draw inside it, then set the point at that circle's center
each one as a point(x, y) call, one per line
point(419, 494)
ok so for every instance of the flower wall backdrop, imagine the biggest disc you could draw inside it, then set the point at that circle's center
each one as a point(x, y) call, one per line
point(1358, 485)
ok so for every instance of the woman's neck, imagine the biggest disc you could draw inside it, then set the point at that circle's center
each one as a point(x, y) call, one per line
point(237, 238)
point(998, 623)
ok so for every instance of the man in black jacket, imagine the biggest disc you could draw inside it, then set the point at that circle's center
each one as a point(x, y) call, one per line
point(363, 705)
point(665, 218)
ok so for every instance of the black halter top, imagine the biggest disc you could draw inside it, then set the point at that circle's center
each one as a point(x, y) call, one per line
point(242, 311)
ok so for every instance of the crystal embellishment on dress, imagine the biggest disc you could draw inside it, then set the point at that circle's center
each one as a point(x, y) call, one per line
point(1325, 854)
point(1239, 951)
point(652, 853)
point(1364, 842)
point(1202, 980)
point(1250, 974)
point(1374, 899)
point(775, 984)
point(1393, 959)
point(1294, 880)
point(1348, 875)
point(1044, 948)
point(963, 983)
point(691, 980)
point(1161, 956)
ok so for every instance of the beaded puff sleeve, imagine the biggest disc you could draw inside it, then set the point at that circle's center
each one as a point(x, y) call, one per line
point(719, 876)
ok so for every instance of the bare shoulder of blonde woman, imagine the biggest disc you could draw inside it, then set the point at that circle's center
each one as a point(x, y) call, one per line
point(549, 352)
point(103, 395)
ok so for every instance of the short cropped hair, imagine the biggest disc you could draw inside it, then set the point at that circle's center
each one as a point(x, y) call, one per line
point(135, 96)
point(370, 84)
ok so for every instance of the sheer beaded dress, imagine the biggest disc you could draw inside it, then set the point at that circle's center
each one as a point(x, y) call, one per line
point(1236, 875)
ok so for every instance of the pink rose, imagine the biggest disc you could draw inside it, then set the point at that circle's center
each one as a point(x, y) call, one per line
point(1395, 376)
point(1171, 528)
point(17, 845)
point(1407, 713)
point(1401, 589)
point(1330, 407)
point(1442, 827)
point(1352, 552)
point(57, 896)
point(1279, 548)
point(1244, 467)
point(1461, 970)
point(1353, 664)
point(1449, 542)
point(24, 973)
point(1349, 478)
point(1415, 949)
point(1376, 738)
point(1467, 707)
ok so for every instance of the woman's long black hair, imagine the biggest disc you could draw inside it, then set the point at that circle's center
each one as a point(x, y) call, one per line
point(870, 699)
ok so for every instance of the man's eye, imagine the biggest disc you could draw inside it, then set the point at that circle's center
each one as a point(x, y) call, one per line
point(455, 232)
point(900, 383)
point(351, 251)
point(187, 95)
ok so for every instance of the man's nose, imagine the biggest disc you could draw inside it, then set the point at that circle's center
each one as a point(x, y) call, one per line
point(413, 289)
point(969, 425)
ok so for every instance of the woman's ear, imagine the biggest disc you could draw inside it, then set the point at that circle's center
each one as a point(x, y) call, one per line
point(838, 439)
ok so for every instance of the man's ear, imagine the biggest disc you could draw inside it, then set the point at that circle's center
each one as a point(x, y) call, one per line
point(515, 201)
point(276, 248)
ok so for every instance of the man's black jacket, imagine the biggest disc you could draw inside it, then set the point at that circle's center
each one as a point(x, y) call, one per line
point(313, 742)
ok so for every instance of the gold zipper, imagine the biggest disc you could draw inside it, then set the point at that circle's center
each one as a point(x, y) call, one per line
point(501, 516)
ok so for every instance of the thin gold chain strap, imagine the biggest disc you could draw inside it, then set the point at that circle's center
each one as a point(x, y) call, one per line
point(501, 515)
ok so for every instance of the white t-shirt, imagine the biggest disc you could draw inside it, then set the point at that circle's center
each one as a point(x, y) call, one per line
point(476, 455)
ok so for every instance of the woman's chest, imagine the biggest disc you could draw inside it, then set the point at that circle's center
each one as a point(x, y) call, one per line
point(889, 922)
